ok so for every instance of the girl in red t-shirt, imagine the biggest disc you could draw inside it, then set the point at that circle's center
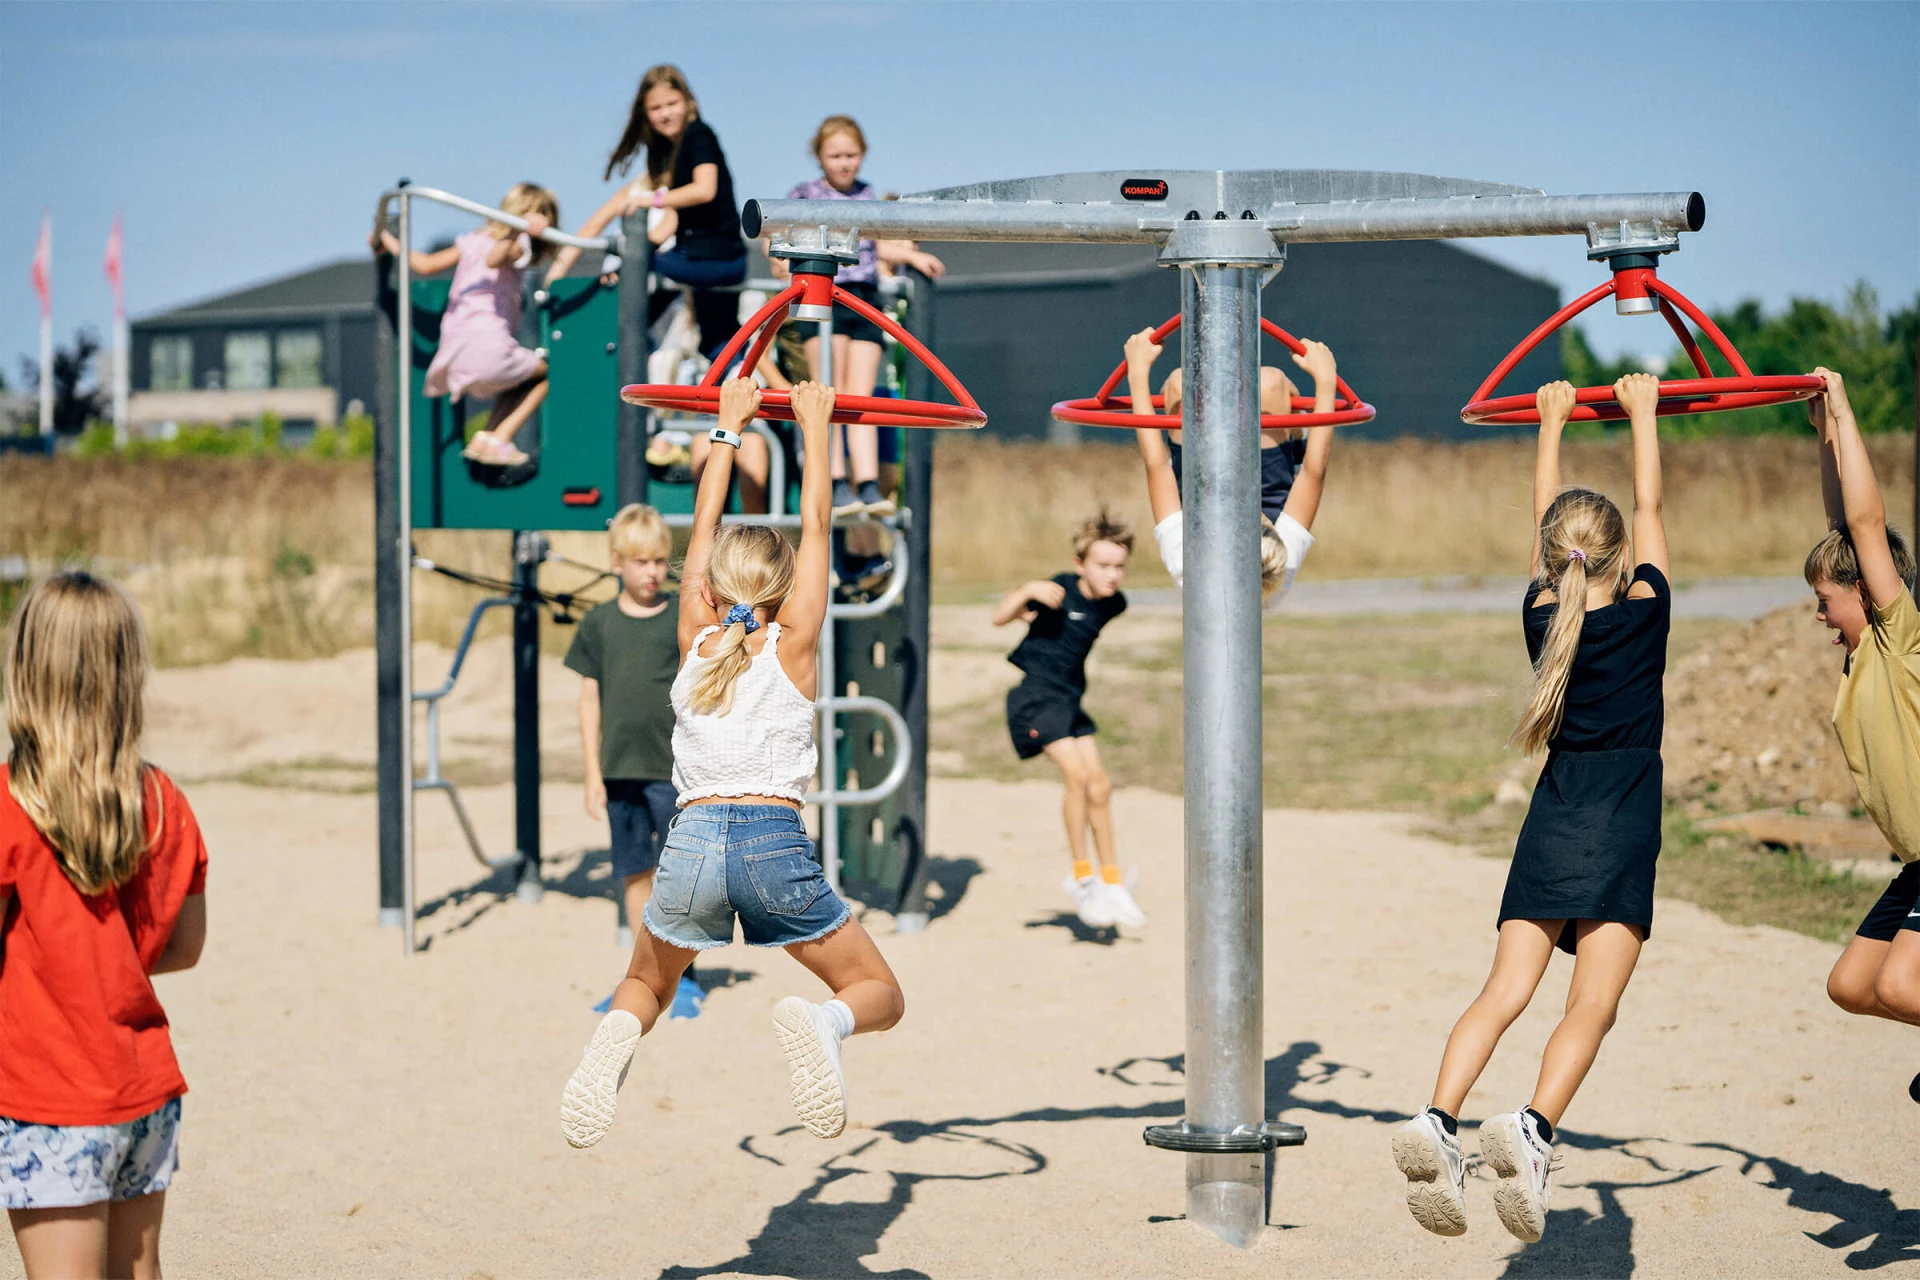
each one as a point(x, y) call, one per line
point(102, 869)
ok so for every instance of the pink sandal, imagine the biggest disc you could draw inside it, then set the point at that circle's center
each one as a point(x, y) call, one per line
point(490, 451)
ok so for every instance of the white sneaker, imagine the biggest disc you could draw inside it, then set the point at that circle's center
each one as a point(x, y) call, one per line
point(1122, 907)
point(1436, 1174)
point(593, 1091)
point(1514, 1148)
point(1088, 902)
point(810, 1039)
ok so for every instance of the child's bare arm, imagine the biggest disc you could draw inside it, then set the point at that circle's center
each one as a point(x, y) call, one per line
point(1555, 402)
point(806, 605)
point(596, 798)
point(1309, 483)
point(567, 254)
point(1865, 508)
point(188, 939)
point(739, 400)
point(1163, 491)
point(1018, 603)
point(1639, 395)
point(1830, 498)
point(419, 261)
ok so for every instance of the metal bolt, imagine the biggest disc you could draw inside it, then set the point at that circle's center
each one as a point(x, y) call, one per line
point(556, 335)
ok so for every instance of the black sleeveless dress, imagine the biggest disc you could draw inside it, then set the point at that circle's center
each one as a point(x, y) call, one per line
point(1592, 835)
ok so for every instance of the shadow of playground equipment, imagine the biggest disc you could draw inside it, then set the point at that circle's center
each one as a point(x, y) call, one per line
point(590, 875)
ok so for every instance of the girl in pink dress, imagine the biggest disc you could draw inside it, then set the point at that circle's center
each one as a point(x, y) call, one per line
point(480, 354)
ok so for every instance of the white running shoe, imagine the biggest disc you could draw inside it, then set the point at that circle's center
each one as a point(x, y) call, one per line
point(1514, 1148)
point(811, 1040)
point(593, 1091)
point(1436, 1173)
point(1088, 902)
point(1121, 906)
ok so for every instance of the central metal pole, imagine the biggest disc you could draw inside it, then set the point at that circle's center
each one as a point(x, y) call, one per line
point(1220, 306)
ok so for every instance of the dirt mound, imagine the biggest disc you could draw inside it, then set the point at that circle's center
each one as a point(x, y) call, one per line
point(1750, 720)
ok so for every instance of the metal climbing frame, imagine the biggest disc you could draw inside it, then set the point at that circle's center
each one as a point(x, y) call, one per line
point(1226, 233)
point(396, 470)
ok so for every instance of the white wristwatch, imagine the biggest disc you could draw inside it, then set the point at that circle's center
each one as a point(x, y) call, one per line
point(724, 436)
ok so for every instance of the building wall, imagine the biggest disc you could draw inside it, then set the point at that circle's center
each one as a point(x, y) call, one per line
point(345, 368)
point(1415, 326)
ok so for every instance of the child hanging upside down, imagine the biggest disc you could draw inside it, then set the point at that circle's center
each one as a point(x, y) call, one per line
point(1064, 615)
point(480, 353)
point(1292, 473)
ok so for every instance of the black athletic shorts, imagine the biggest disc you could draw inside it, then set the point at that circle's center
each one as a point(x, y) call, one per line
point(848, 323)
point(1039, 714)
point(1894, 911)
point(638, 815)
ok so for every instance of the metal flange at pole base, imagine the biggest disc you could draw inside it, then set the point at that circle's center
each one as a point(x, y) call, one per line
point(1105, 409)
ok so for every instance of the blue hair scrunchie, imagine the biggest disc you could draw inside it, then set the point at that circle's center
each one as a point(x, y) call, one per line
point(743, 613)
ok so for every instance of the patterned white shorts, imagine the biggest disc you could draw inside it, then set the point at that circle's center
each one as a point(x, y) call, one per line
point(61, 1166)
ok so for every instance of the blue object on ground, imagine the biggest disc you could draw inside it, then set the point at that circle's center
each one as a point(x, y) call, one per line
point(687, 999)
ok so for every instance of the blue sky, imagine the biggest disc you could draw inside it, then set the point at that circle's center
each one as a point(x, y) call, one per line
point(245, 140)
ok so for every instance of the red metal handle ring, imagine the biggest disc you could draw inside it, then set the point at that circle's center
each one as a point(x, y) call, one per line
point(1105, 409)
point(883, 411)
point(1703, 394)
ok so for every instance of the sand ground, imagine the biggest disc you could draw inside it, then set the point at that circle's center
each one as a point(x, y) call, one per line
point(355, 1112)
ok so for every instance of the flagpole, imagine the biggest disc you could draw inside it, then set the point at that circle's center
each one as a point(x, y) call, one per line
point(46, 375)
point(120, 343)
point(43, 285)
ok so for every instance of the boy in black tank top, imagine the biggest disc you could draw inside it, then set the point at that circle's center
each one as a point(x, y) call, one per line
point(1064, 616)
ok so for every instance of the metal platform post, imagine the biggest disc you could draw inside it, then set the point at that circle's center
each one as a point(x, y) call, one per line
point(390, 715)
point(529, 549)
point(1220, 625)
point(636, 345)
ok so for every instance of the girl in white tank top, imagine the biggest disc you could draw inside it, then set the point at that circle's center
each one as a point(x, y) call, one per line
point(751, 608)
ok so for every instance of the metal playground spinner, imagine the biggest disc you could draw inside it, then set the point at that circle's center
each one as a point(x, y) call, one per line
point(1227, 233)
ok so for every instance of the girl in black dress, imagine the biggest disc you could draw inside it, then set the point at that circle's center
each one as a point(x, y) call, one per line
point(1597, 615)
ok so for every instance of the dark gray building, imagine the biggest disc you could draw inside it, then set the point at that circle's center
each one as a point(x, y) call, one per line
point(300, 346)
point(1415, 324)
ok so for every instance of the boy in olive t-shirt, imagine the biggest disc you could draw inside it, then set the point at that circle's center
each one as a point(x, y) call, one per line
point(1862, 574)
point(627, 652)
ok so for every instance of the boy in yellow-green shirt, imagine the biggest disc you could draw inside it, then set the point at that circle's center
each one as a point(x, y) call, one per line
point(1862, 573)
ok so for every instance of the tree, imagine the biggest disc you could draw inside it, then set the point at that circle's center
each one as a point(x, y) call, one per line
point(77, 397)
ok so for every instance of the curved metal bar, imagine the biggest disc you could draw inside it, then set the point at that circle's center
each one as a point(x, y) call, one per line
point(466, 825)
point(778, 302)
point(891, 327)
point(1534, 339)
point(466, 642)
point(550, 235)
point(902, 752)
point(896, 586)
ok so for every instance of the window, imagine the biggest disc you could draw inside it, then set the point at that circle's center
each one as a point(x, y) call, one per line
point(249, 361)
point(170, 363)
point(296, 358)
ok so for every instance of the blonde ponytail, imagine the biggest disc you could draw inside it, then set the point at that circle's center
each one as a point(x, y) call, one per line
point(1583, 539)
point(76, 673)
point(750, 565)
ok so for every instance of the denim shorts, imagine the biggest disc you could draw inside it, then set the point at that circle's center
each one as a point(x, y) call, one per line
point(753, 861)
point(64, 1166)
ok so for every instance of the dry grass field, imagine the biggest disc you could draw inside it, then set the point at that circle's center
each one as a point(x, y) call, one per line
point(272, 558)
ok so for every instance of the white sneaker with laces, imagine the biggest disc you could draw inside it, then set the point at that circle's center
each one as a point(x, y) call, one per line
point(810, 1039)
point(1121, 906)
point(593, 1091)
point(1436, 1173)
point(1088, 902)
point(1515, 1149)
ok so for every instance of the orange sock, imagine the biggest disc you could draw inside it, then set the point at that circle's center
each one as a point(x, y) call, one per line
point(1110, 873)
point(1082, 870)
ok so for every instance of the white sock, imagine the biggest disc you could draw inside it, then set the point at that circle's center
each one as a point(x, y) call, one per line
point(841, 1015)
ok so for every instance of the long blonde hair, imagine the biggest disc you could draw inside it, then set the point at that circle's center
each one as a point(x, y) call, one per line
point(76, 673)
point(639, 134)
point(1583, 540)
point(750, 565)
point(522, 199)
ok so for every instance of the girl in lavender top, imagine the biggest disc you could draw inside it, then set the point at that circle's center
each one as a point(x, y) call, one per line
point(839, 146)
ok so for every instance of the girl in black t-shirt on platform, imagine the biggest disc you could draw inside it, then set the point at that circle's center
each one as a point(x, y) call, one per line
point(1596, 614)
point(686, 173)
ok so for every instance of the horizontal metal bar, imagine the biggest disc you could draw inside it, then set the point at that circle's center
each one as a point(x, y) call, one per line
point(447, 198)
point(1451, 216)
point(902, 752)
point(1420, 218)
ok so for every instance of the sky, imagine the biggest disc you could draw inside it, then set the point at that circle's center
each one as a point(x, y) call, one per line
point(243, 141)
